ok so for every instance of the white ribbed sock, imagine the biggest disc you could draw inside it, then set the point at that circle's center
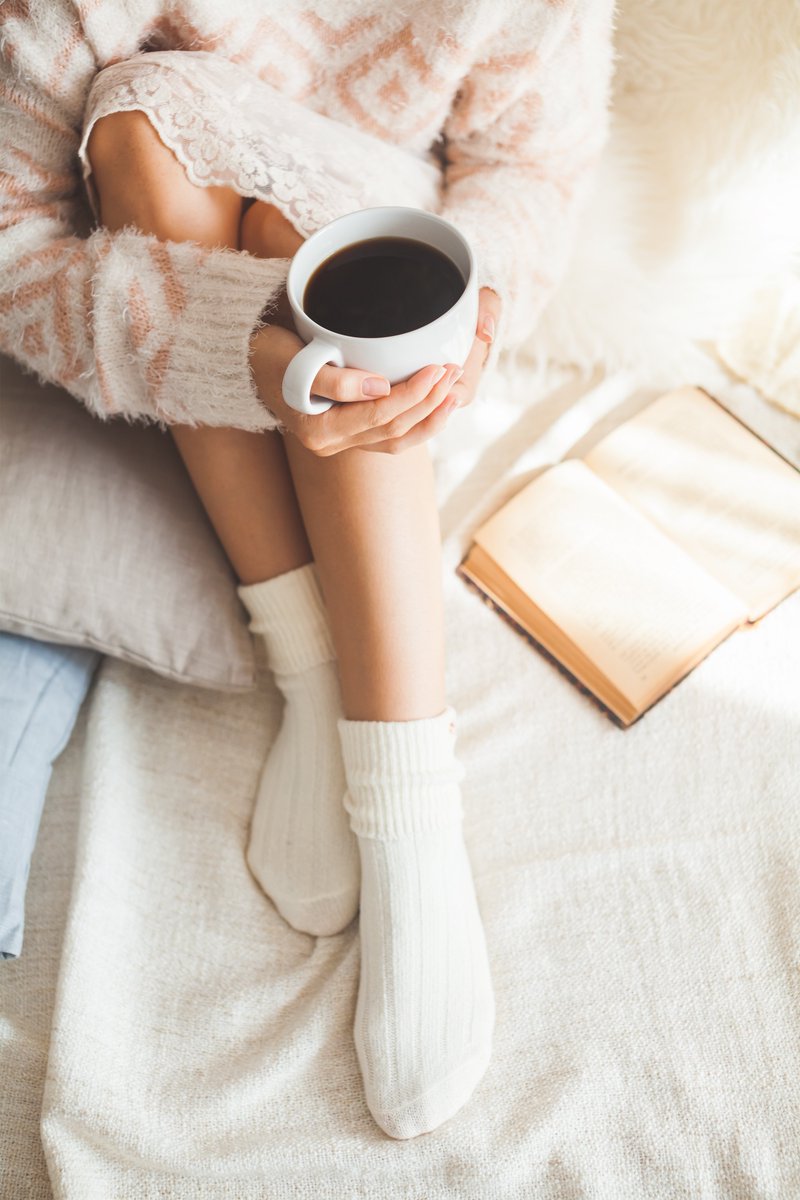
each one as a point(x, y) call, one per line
point(301, 849)
point(425, 1009)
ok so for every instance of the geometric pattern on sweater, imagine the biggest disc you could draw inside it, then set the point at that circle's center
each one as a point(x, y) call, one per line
point(510, 96)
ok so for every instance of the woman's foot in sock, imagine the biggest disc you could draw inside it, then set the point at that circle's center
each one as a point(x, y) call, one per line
point(301, 849)
point(425, 1008)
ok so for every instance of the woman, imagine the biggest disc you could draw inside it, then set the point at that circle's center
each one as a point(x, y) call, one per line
point(213, 143)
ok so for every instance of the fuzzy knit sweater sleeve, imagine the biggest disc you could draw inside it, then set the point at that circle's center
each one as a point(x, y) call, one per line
point(521, 140)
point(131, 326)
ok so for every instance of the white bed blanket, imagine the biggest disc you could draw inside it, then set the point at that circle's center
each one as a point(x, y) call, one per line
point(166, 1034)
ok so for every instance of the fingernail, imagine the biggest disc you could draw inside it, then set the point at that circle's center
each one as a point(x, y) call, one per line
point(487, 327)
point(374, 386)
point(439, 374)
point(455, 374)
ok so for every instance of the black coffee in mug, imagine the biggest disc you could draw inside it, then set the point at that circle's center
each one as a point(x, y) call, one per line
point(382, 286)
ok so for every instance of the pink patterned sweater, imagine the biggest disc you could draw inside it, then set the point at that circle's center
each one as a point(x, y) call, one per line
point(514, 91)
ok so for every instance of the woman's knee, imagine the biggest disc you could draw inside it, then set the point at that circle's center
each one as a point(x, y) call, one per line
point(267, 233)
point(140, 182)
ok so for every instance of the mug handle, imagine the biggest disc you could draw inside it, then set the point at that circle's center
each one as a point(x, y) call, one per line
point(301, 372)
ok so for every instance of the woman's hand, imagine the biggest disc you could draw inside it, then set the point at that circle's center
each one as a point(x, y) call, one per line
point(489, 306)
point(407, 414)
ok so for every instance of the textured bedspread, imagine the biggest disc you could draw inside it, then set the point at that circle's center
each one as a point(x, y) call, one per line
point(166, 1034)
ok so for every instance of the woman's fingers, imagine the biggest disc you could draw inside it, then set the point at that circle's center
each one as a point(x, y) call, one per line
point(488, 311)
point(400, 425)
point(347, 424)
point(489, 305)
point(465, 388)
point(432, 424)
point(347, 385)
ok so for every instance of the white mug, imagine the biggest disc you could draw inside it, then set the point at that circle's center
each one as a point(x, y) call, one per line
point(447, 339)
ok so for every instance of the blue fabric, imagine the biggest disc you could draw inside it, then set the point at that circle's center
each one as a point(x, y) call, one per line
point(42, 687)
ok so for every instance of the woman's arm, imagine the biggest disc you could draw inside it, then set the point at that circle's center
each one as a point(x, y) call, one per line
point(524, 131)
point(130, 325)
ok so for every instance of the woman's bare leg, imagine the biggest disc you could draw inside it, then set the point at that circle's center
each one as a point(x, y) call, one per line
point(242, 478)
point(373, 525)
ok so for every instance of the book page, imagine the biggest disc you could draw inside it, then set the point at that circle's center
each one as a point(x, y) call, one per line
point(480, 569)
point(715, 488)
point(635, 603)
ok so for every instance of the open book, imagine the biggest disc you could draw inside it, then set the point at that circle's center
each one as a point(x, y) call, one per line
point(631, 564)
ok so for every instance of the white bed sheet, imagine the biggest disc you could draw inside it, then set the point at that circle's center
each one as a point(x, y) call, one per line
point(166, 1034)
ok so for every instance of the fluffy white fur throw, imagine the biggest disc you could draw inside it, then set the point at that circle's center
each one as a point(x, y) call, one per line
point(697, 196)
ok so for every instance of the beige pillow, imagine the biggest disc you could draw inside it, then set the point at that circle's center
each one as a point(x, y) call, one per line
point(103, 542)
